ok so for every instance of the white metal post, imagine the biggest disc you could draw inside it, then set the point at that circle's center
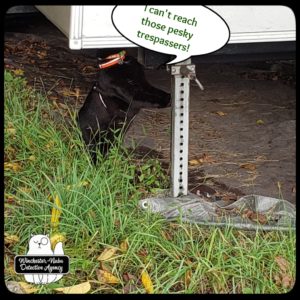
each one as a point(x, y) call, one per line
point(180, 86)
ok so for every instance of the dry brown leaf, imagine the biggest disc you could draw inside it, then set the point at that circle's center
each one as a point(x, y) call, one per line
point(27, 288)
point(81, 288)
point(259, 218)
point(124, 245)
point(166, 235)
point(287, 281)
point(147, 282)
point(10, 239)
point(129, 277)
point(107, 277)
point(41, 54)
point(129, 288)
point(107, 254)
point(187, 277)
point(63, 106)
point(282, 263)
point(248, 166)
point(69, 93)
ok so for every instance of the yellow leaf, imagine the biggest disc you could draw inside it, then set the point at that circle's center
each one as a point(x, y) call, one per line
point(32, 158)
point(221, 113)
point(260, 122)
point(28, 288)
point(57, 238)
point(81, 288)
point(107, 254)
point(11, 131)
point(56, 212)
point(107, 277)
point(10, 239)
point(124, 245)
point(12, 166)
point(147, 283)
point(18, 72)
point(194, 162)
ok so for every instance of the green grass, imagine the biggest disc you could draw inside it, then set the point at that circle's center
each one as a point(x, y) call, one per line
point(179, 257)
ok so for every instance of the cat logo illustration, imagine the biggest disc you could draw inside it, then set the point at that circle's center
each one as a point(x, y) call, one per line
point(40, 245)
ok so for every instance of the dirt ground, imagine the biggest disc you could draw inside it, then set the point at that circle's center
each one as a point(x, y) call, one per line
point(242, 126)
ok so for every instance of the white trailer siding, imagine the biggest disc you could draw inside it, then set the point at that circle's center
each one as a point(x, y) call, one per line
point(91, 26)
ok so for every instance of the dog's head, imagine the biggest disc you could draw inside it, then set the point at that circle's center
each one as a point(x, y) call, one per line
point(126, 80)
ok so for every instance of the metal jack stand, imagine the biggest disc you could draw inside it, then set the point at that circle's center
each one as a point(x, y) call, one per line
point(181, 75)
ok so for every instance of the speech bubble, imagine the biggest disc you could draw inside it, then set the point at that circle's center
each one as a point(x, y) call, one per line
point(183, 31)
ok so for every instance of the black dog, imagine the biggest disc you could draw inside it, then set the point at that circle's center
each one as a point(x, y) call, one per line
point(119, 93)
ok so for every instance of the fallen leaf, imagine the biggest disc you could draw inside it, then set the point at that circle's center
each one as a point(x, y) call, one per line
point(260, 122)
point(18, 287)
point(287, 281)
point(56, 212)
point(18, 72)
point(129, 277)
point(106, 266)
point(81, 288)
point(64, 106)
point(10, 239)
point(129, 288)
point(12, 166)
point(106, 277)
point(69, 93)
point(143, 252)
point(124, 245)
point(28, 288)
point(11, 131)
point(41, 54)
point(248, 166)
point(107, 254)
point(58, 237)
point(166, 235)
point(282, 263)
point(32, 158)
point(147, 282)
point(259, 218)
point(221, 113)
point(194, 162)
point(187, 277)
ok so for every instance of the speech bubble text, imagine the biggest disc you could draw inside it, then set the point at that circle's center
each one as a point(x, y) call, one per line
point(183, 31)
